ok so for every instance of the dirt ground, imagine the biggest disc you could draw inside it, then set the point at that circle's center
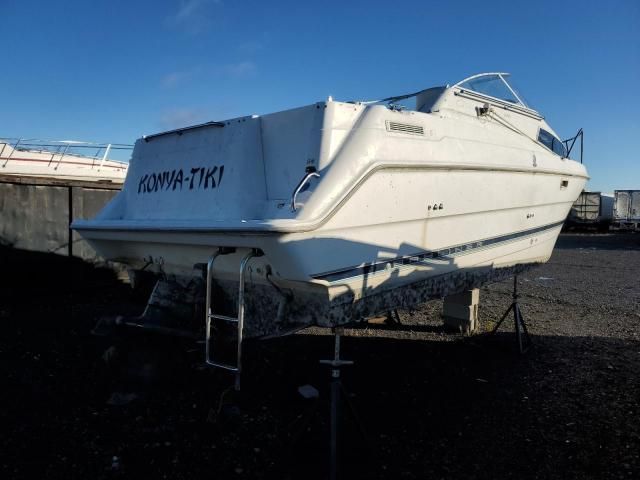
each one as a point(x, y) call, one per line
point(430, 404)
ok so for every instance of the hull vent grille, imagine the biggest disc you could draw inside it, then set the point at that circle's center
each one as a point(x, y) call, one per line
point(405, 128)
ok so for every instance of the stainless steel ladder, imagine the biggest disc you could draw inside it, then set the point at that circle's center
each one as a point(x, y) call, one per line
point(239, 320)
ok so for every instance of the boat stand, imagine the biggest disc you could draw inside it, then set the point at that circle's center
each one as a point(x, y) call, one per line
point(522, 334)
point(338, 395)
point(393, 317)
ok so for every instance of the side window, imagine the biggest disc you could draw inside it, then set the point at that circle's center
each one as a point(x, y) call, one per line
point(552, 143)
point(546, 139)
point(559, 148)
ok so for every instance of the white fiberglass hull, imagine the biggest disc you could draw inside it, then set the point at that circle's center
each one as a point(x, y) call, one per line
point(340, 273)
point(59, 166)
point(355, 208)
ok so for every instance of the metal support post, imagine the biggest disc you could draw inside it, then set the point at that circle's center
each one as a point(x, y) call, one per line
point(336, 390)
point(522, 334)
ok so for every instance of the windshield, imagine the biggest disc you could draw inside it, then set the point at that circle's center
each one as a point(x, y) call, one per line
point(493, 85)
point(514, 86)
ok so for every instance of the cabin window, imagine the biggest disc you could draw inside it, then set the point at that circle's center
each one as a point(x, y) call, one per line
point(559, 148)
point(552, 143)
point(491, 85)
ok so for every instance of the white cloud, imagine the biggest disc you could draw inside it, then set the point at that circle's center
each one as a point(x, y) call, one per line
point(181, 117)
point(194, 16)
point(237, 70)
point(250, 48)
point(172, 79)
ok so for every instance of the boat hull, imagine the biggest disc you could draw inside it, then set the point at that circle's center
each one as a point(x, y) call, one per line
point(54, 164)
point(338, 274)
point(353, 295)
point(355, 208)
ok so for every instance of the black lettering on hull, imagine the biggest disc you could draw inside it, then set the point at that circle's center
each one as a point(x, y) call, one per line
point(207, 178)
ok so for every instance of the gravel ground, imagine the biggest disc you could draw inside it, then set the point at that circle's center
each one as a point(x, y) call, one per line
point(431, 404)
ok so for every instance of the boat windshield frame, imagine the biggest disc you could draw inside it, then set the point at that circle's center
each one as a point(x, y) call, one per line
point(501, 76)
point(519, 106)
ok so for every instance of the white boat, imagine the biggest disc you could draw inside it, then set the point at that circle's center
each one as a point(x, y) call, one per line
point(62, 160)
point(336, 211)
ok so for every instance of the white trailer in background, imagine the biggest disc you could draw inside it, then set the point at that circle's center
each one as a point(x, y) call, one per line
point(591, 210)
point(626, 211)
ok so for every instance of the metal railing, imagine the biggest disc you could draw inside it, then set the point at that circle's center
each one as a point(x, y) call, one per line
point(570, 142)
point(98, 153)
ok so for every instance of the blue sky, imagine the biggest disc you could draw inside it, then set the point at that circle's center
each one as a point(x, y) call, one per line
point(111, 71)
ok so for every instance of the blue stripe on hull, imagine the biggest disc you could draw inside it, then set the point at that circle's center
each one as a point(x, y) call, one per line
point(425, 256)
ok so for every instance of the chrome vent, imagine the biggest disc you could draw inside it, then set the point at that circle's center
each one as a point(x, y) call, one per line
point(405, 128)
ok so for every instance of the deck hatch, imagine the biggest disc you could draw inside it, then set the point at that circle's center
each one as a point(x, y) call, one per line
point(404, 128)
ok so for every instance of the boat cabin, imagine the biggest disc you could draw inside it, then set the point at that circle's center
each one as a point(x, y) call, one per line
point(487, 94)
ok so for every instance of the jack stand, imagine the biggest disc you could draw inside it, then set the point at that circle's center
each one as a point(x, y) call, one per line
point(337, 393)
point(393, 318)
point(522, 334)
